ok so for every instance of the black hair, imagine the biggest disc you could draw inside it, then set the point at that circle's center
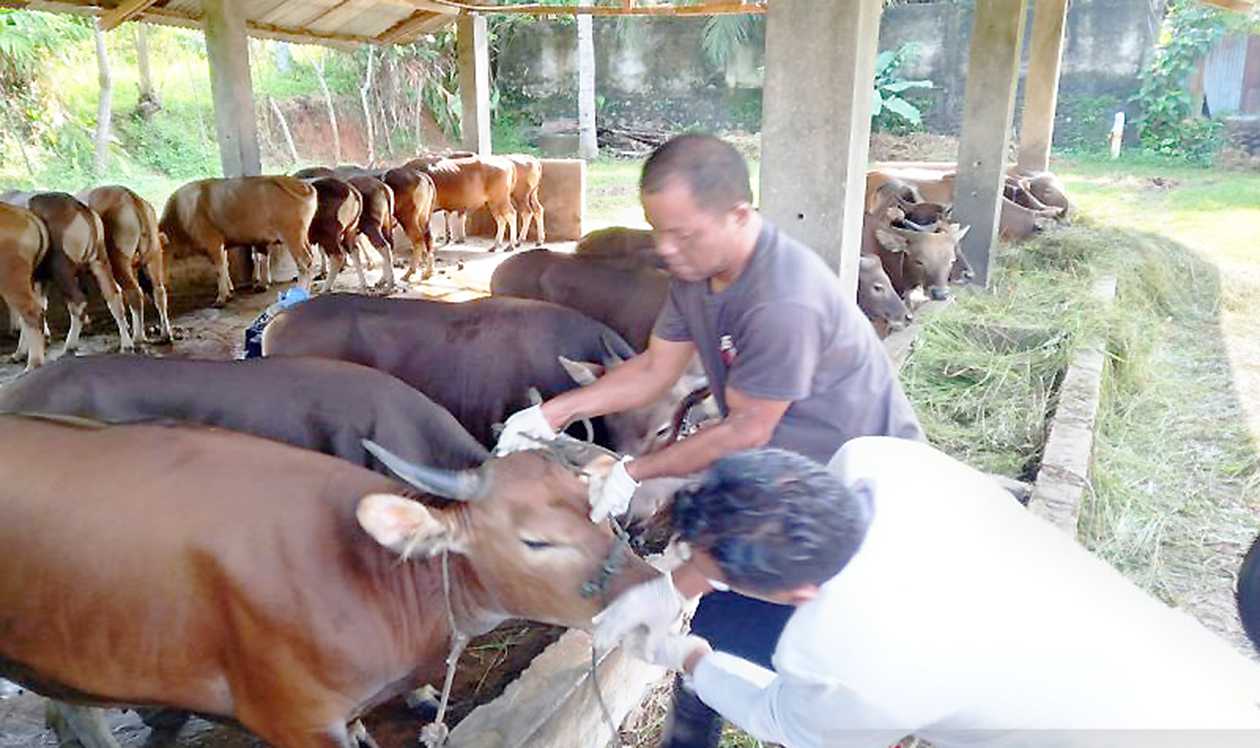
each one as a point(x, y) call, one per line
point(772, 520)
point(712, 169)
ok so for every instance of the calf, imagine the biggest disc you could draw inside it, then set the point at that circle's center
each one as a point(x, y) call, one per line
point(414, 196)
point(477, 359)
point(377, 223)
point(77, 243)
point(915, 259)
point(466, 184)
point(318, 404)
point(24, 246)
point(626, 299)
point(878, 299)
point(133, 244)
point(525, 196)
point(227, 575)
point(210, 214)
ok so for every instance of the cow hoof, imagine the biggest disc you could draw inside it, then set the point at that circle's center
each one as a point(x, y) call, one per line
point(162, 720)
point(219, 303)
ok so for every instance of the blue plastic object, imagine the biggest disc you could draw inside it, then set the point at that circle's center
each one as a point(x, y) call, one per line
point(253, 334)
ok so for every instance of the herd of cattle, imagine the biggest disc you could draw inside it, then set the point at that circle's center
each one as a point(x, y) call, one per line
point(219, 540)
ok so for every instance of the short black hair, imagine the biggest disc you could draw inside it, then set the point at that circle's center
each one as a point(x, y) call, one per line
point(712, 169)
point(773, 520)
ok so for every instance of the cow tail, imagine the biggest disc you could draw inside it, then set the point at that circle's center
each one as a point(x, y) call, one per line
point(1248, 593)
point(296, 188)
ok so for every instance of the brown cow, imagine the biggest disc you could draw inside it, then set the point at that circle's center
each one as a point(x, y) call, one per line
point(77, 243)
point(377, 223)
point(24, 244)
point(414, 197)
point(878, 299)
point(273, 593)
point(1047, 188)
point(915, 259)
point(133, 244)
point(210, 214)
point(335, 227)
point(625, 247)
point(1019, 223)
point(466, 184)
point(525, 197)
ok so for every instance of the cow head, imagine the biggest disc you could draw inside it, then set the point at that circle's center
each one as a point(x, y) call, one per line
point(521, 523)
point(925, 216)
point(877, 297)
point(643, 430)
point(926, 257)
point(1018, 222)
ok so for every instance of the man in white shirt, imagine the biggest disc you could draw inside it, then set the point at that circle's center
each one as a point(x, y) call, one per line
point(927, 603)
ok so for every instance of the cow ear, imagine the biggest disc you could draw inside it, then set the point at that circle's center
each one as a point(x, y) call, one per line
point(959, 231)
point(891, 240)
point(582, 372)
point(406, 526)
point(869, 262)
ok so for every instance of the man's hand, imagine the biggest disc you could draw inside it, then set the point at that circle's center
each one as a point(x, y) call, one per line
point(678, 652)
point(654, 605)
point(523, 429)
point(611, 492)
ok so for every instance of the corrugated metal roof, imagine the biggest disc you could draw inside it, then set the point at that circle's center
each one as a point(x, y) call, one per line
point(332, 22)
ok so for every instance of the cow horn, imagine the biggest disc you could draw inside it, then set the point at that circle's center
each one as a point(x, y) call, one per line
point(610, 346)
point(457, 485)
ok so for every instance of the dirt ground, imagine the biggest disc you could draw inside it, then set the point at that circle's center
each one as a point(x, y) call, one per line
point(487, 665)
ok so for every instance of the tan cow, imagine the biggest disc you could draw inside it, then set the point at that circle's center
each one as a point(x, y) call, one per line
point(525, 196)
point(210, 214)
point(466, 184)
point(24, 243)
point(133, 242)
point(414, 196)
point(77, 244)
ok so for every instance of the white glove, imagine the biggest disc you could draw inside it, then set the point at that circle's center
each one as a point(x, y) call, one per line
point(668, 650)
point(610, 493)
point(522, 430)
point(655, 605)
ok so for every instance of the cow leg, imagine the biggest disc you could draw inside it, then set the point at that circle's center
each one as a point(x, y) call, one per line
point(114, 300)
point(301, 251)
point(378, 240)
point(359, 734)
point(336, 261)
point(75, 310)
point(540, 233)
point(527, 217)
point(161, 719)
point(31, 340)
point(217, 253)
point(156, 271)
point(463, 227)
point(83, 724)
point(354, 250)
point(125, 274)
point(430, 254)
point(417, 254)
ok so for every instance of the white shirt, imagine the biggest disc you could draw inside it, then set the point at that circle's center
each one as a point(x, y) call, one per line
point(968, 621)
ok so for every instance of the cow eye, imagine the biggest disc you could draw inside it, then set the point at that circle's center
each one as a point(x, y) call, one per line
point(536, 545)
point(878, 288)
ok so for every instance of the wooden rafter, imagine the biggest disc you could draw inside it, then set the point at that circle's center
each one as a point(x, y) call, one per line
point(125, 11)
point(420, 22)
point(726, 7)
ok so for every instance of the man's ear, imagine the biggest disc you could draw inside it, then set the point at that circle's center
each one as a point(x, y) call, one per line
point(743, 213)
point(406, 526)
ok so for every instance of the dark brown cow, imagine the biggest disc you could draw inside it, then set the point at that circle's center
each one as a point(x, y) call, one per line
point(414, 196)
point(477, 358)
point(625, 247)
point(920, 259)
point(210, 214)
point(335, 227)
point(376, 223)
point(466, 184)
point(134, 244)
point(627, 300)
point(525, 196)
point(24, 245)
point(77, 244)
point(223, 574)
point(314, 403)
point(314, 172)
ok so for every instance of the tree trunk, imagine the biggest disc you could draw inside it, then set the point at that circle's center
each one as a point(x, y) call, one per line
point(588, 145)
point(149, 101)
point(104, 102)
point(332, 112)
point(284, 128)
point(367, 111)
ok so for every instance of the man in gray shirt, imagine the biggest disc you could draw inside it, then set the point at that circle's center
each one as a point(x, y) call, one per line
point(790, 358)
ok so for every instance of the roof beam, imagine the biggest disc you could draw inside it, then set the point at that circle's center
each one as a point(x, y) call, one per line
point(1238, 6)
point(417, 23)
point(538, 9)
point(125, 11)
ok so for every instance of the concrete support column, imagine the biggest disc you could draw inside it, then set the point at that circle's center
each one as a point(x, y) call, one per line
point(816, 123)
point(227, 48)
point(473, 50)
point(1041, 86)
point(992, 72)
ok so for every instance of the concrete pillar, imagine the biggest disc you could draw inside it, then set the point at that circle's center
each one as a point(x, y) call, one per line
point(473, 51)
point(227, 48)
point(814, 145)
point(1041, 86)
point(992, 72)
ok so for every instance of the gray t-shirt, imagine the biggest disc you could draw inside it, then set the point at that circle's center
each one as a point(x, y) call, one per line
point(786, 330)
